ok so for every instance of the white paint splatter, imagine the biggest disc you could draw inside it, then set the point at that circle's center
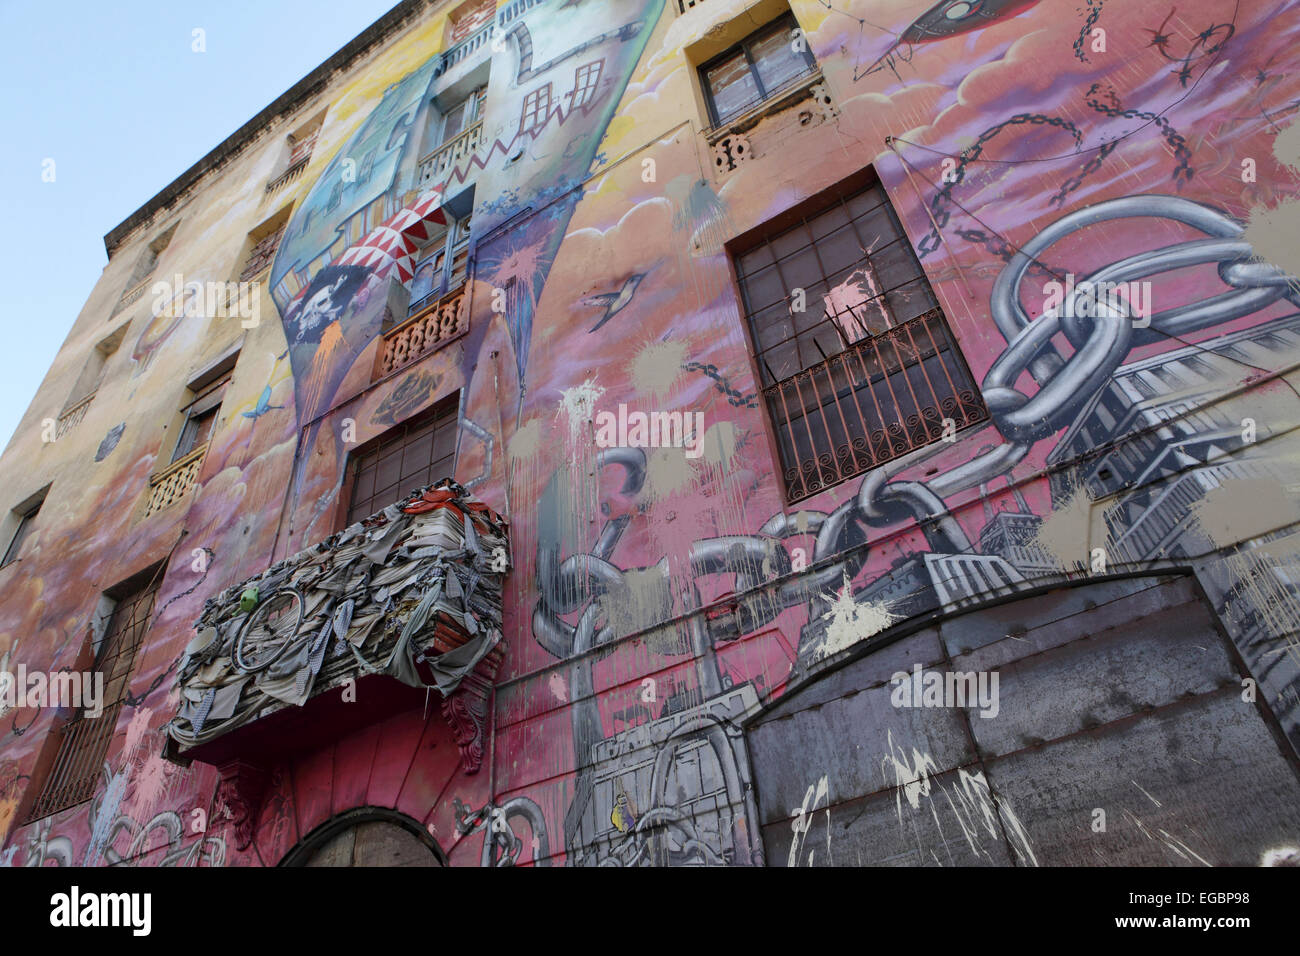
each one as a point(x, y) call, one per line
point(578, 405)
point(803, 819)
point(849, 622)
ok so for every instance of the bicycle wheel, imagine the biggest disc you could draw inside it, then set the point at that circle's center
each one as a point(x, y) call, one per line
point(268, 631)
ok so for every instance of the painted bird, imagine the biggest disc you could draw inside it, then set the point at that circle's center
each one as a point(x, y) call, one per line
point(263, 405)
point(614, 302)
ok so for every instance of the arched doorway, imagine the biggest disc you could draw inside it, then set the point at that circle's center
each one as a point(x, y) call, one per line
point(367, 836)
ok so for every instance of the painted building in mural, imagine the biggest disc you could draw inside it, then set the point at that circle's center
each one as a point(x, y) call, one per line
point(872, 427)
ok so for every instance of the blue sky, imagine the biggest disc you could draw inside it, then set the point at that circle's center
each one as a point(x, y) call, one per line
point(118, 98)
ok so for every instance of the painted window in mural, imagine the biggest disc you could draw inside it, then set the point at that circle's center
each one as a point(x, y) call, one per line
point(537, 106)
point(757, 68)
point(586, 80)
point(26, 514)
point(415, 453)
point(857, 363)
point(83, 741)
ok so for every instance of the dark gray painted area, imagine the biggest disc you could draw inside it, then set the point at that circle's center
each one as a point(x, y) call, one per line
point(1120, 698)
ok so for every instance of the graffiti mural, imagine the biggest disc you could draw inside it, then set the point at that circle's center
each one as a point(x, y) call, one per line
point(1033, 152)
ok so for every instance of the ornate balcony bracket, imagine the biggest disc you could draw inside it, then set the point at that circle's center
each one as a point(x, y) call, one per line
point(239, 798)
point(354, 630)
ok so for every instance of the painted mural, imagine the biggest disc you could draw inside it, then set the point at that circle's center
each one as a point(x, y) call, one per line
point(657, 600)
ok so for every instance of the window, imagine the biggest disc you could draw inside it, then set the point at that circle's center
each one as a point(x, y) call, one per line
point(144, 267)
point(92, 373)
point(262, 245)
point(467, 18)
point(854, 354)
point(25, 514)
point(84, 740)
point(200, 415)
point(297, 151)
point(462, 115)
point(442, 265)
point(418, 452)
point(536, 108)
point(755, 69)
point(300, 148)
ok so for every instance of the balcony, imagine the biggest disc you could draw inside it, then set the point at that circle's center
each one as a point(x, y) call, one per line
point(173, 482)
point(437, 166)
point(293, 171)
point(72, 416)
point(463, 49)
point(443, 321)
point(356, 629)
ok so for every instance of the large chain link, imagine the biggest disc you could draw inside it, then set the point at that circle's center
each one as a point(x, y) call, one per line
point(766, 582)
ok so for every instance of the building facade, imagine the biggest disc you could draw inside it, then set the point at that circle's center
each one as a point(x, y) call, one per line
point(885, 416)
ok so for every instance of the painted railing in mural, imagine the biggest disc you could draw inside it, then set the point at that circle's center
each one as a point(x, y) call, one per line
point(439, 163)
point(72, 416)
point(426, 331)
point(878, 398)
point(171, 484)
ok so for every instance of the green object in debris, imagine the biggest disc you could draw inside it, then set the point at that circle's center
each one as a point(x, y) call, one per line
point(248, 600)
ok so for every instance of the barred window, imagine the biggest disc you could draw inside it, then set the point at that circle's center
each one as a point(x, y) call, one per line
point(416, 453)
point(83, 740)
point(856, 360)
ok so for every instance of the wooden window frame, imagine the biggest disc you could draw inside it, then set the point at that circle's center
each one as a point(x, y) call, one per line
point(744, 46)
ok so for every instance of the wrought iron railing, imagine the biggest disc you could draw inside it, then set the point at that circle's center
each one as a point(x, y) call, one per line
point(443, 159)
point(427, 331)
point(878, 398)
point(84, 740)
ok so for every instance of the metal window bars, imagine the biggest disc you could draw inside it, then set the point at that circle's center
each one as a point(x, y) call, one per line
point(856, 361)
point(873, 400)
point(84, 740)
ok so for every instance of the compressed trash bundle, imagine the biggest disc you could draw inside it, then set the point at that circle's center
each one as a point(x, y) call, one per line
point(414, 592)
